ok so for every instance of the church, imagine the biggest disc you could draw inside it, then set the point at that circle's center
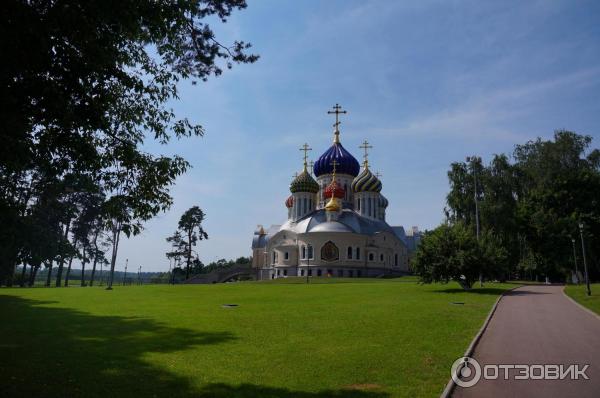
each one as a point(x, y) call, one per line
point(336, 222)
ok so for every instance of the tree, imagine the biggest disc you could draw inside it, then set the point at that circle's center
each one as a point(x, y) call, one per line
point(449, 252)
point(137, 192)
point(83, 86)
point(532, 205)
point(97, 252)
point(189, 232)
point(86, 228)
point(190, 224)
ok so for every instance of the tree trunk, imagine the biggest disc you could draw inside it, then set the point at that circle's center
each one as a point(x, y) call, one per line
point(83, 267)
point(113, 259)
point(68, 272)
point(31, 275)
point(49, 278)
point(95, 257)
point(35, 271)
point(62, 257)
point(94, 270)
point(22, 281)
point(189, 256)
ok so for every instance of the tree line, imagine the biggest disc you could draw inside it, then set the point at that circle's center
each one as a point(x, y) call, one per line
point(529, 207)
point(83, 89)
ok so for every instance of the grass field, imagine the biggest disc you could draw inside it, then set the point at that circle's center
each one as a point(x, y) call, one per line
point(578, 293)
point(367, 339)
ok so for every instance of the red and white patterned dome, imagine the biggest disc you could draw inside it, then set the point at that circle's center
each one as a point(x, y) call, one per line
point(334, 189)
point(289, 202)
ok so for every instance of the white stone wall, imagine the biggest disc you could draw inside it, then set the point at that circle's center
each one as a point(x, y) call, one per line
point(367, 204)
point(304, 203)
point(377, 254)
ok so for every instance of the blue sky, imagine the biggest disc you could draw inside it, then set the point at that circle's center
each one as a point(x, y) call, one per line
point(426, 82)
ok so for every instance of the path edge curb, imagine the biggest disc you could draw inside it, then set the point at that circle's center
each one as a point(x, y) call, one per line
point(583, 307)
point(450, 385)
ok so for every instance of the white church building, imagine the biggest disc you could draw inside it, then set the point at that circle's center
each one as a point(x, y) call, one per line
point(336, 223)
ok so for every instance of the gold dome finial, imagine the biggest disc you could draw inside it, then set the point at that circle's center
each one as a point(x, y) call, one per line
point(336, 131)
point(365, 145)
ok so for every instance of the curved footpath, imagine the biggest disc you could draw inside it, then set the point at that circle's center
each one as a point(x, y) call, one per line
point(538, 325)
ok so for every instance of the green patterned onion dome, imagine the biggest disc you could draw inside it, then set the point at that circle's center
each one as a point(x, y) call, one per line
point(304, 183)
point(366, 182)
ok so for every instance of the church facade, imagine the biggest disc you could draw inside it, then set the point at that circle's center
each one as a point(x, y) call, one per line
point(336, 223)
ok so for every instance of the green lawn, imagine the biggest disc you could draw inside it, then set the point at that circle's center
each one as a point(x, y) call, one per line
point(368, 339)
point(578, 293)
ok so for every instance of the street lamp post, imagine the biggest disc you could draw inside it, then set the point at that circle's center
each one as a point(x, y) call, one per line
point(585, 269)
point(575, 260)
point(307, 261)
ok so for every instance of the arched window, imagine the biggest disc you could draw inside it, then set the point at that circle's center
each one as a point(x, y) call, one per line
point(286, 256)
point(358, 253)
point(381, 257)
point(371, 257)
point(310, 252)
point(396, 259)
point(349, 255)
point(358, 204)
point(303, 252)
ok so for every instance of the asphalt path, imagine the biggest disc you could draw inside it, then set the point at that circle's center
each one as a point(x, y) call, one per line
point(538, 325)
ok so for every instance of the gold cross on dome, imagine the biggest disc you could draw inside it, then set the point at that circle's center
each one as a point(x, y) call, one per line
point(365, 145)
point(305, 148)
point(311, 165)
point(378, 174)
point(295, 175)
point(334, 163)
point(337, 110)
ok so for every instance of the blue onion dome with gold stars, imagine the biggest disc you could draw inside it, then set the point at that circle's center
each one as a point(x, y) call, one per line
point(366, 181)
point(304, 183)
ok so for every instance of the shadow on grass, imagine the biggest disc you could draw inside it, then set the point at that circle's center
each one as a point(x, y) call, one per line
point(59, 352)
point(494, 291)
point(218, 390)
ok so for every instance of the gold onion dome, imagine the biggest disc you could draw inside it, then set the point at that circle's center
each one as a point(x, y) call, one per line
point(304, 183)
point(366, 181)
point(333, 204)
